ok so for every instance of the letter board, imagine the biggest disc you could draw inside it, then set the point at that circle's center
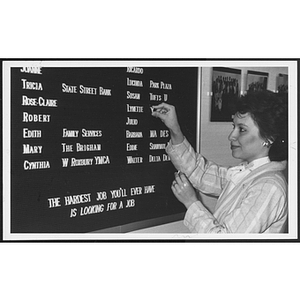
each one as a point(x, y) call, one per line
point(86, 154)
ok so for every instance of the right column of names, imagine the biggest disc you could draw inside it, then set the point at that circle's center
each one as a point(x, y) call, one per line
point(145, 142)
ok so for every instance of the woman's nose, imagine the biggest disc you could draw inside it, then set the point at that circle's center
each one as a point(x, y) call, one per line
point(232, 136)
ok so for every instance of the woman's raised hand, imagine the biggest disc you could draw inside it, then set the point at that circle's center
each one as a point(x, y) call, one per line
point(167, 113)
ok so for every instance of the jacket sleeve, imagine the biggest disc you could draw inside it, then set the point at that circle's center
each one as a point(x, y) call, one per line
point(204, 175)
point(262, 205)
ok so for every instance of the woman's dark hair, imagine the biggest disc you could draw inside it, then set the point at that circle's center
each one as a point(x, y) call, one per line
point(270, 113)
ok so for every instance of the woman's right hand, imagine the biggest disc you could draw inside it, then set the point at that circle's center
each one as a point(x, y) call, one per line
point(167, 114)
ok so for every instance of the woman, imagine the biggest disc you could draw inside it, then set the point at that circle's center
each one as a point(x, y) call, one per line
point(253, 195)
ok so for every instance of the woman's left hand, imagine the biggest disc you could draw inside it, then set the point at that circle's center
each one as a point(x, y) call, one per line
point(183, 190)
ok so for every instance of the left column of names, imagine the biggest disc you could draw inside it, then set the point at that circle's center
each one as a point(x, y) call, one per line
point(33, 116)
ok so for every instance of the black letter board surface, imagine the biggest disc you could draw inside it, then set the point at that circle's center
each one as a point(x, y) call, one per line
point(86, 154)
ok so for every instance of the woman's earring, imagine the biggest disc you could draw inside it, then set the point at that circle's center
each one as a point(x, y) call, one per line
point(267, 143)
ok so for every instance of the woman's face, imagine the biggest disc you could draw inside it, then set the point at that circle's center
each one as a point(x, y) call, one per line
point(245, 140)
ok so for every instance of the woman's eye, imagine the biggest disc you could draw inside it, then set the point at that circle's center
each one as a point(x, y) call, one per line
point(242, 129)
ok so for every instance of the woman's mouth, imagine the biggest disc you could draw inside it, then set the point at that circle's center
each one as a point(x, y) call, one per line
point(233, 147)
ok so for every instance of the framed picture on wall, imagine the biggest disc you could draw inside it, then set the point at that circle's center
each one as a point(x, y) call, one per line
point(257, 81)
point(282, 82)
point(226, 84)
